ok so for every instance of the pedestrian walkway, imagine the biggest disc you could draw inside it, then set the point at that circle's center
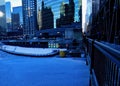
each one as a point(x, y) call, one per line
point(52, 71)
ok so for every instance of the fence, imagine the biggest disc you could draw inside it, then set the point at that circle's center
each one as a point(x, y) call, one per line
point(104, 64)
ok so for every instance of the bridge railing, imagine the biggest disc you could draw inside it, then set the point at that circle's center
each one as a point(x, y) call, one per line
point(104, 64)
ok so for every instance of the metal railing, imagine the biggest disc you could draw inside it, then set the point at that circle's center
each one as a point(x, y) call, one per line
point(104, 64)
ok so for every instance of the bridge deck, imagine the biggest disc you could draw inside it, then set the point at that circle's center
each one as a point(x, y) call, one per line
point(54, 71)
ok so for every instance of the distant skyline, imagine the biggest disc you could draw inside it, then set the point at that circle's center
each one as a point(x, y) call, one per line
point(15, 3)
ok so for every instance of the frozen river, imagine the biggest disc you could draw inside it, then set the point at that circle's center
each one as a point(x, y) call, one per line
point(50, 71)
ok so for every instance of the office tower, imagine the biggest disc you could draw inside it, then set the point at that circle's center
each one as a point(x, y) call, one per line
point(80, 11)
point(15, 22)
point(39, 18)
point(71, 11)
point(18, 10)
point(8, 16)
point(64, 14)
point(62, 9)
point(29, 17)
point(67, 14)
point(55, 6)
point(80, 14)
point(46, 21)
point(2, 18)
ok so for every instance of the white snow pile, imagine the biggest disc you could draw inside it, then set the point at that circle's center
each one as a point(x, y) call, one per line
point(29, 51)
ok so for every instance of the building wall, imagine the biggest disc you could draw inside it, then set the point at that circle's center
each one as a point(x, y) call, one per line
point(69, 34)
point(95, 6)
point(47, 21)
point(20, 12)
point(67, 14)
point(39, 19)
point(8, 16)
point(29, 17)
point(15, 21)
point(8, 12)
point(2, 17)
point(105, 23)
point(55, 6)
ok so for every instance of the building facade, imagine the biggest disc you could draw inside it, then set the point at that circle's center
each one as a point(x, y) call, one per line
point(29, 17)
point(15, 22)
point(47, 20)
point(95, 6)
point(67, 14)
point(18, 10)
point(8, 16)
point(55, 7)
point(39, 19)
point(105, 20)
point(71, 11)
point(3, 25)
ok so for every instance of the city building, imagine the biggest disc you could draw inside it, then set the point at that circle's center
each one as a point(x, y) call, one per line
point(8, 16)
point(105, 20)
point(61, 36)
point(63, 9)
point(55, 6)
point(29, 17)
point(95, 6)
point(71, 11)
point(39, 18)
point(18, 10)
point(3, 25)
point(67, 14)
point(15, 22)
point(80, 11)
point(45, 17)
point(80, 14)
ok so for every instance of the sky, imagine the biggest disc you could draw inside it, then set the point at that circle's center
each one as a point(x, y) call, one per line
point(15, 3)
point(86, 11)
point(84, 8)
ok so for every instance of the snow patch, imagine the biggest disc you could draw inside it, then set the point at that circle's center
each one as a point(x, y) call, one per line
point(29, 51)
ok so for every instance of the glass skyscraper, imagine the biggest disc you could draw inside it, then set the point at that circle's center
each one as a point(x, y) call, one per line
point(8, 12)
point(18, 10)
point(2, 17)
point(15, 21)
point(8, 15)
point(67, 14)
point(29, 17)
point(45, 17)
point(55, 6)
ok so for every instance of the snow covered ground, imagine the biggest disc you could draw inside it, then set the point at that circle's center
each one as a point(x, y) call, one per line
point(54, 71)
point(29, 51)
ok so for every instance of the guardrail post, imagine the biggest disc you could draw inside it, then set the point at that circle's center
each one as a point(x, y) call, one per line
point(92, 56)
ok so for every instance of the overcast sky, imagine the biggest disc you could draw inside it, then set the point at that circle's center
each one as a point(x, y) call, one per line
point(15, 3)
